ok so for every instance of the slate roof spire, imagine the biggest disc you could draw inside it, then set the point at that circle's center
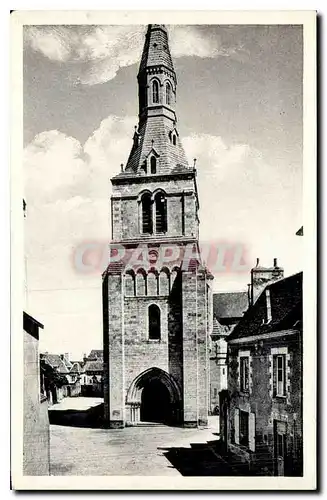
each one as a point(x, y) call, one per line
point(156, 133)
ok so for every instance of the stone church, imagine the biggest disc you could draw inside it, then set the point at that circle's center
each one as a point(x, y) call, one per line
point(157, 311)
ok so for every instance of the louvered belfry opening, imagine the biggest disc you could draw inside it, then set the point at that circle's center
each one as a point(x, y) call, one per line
point(161, 213)
point(146, 214)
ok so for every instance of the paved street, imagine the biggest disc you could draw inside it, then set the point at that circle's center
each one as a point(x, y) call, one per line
point(153, 450)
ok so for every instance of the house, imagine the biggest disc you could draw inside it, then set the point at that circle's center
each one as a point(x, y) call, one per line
point(36, 438)
point(217, 363)
point(92, 384)
point(261, 410)
point(60, 380)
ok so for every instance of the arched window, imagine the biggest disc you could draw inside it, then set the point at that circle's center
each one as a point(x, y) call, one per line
point(164, 282)
point(174, 140)
point(152, 283)
point(146, 213)
point(140, 282)
point(161, 213)
point(129, 281)
point(154, 322)
point(153, 165)
point(168, 94)
point(155, 92)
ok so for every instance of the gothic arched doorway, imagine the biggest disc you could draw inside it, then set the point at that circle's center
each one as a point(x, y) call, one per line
point(155, 402)
point(154, 396)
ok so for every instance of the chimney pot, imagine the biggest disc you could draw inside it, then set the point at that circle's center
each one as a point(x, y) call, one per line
point(275, 262)
point(257, 262)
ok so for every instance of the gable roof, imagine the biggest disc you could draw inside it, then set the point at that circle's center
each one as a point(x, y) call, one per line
point(230, 304)
point(286, 309)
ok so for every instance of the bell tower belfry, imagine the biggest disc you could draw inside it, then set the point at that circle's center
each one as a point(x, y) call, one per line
point(157, 296)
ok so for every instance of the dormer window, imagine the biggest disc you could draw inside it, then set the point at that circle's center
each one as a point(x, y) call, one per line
point(153, 165)
point(155, 92)
point(168, 94)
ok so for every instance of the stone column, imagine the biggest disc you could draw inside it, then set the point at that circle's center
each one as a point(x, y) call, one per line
point(116, 412)
point(189, 308)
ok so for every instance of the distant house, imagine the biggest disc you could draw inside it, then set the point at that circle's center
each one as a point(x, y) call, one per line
point(93, 374)
point(67, 384)
point(218, 365)
point(261, 410)
point(228, 309)
point(36, 440)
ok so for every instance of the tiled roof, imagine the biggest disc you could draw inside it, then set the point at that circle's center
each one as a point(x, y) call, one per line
point(171, 158)
point(286, 309)
point(156, 49)
point(230, 304)
point(93, 366)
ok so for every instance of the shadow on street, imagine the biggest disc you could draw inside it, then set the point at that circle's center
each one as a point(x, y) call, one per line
point(202, 459)
point(90, 418)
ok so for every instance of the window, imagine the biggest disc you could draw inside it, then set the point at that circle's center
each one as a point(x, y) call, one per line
point(244, 428)
point(279, 375)
point(168, 94)
point(155, 92)
point(174, 140)
point(153, 165)
point(154, 322)
point(146, 213)
point(244, 374)
point(215, 392)
point(161, 213)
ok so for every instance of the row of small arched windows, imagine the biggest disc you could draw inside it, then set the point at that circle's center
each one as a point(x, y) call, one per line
point(151, 283)
point(167, 93)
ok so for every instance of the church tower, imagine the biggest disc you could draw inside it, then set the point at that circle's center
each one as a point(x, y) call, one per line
point(156, 292)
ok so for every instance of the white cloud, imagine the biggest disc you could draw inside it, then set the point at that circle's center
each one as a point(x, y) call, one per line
point(98, 52)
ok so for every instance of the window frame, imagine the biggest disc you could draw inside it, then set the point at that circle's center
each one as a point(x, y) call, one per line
point(244, 374)
point(280, 370)
point(155, 92)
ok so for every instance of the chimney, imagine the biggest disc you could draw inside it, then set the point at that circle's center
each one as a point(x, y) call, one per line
point(262, 276)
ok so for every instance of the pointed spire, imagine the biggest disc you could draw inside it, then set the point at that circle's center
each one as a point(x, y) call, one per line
point(156, 48)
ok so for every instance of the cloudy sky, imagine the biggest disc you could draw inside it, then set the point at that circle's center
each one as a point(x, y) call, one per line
point(239, 106)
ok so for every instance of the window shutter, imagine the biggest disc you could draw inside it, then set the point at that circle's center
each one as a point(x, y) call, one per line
point(252, 431)
point(237, 425)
